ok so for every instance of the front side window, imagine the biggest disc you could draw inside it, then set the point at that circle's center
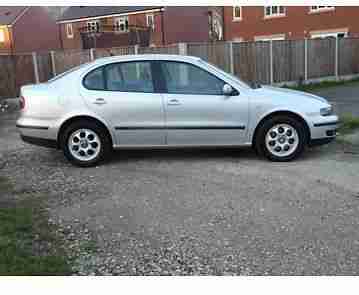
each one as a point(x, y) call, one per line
point(184, 78)
point(274, 11)
point(129, 77)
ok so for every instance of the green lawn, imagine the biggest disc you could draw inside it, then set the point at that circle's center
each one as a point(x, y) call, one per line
point(321, 85)
point(28, 245)
point(348, 124)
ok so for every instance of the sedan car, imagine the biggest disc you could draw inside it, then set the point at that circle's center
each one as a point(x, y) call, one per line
point(168, 101)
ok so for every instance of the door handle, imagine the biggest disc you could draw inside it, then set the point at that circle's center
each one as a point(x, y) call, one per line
point(100, 101)
point(173, 102)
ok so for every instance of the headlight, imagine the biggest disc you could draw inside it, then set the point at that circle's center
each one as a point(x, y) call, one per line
point(328, 111)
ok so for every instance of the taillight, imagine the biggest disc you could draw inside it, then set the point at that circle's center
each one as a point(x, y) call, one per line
point(22, 102)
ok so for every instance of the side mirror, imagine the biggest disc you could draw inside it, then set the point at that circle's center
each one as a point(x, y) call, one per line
point(228, 90)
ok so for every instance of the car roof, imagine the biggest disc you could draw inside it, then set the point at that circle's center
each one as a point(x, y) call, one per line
point(132, 57)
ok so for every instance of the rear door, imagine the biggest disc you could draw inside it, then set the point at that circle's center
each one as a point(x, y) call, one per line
point(125, 95)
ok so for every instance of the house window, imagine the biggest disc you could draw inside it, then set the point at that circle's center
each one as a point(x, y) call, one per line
point(93, 26)
point(2, 36)
point(121, 24)
point(320, 35)
point(278, 37)
point(321, 8)
point(150, 20)
point(69, 31)
point(270, 11)
point(237, 13)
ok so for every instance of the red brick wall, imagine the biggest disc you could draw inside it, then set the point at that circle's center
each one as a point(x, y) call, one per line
point(295, 25)
point(35, 31)
point(75, 42)
point(186, 24)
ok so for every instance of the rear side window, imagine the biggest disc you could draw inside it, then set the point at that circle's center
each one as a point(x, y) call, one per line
point(129, 77)
point(122, 77)
point(95, 80)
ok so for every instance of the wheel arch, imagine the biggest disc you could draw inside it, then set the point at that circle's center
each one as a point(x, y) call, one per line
point(282, 113)
point(77, 118)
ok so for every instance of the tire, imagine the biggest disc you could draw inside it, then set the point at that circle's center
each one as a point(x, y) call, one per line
point(277, 143)
point(92, 140)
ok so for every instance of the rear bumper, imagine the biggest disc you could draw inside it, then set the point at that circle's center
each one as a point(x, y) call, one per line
point(36, 134)
point(49, 143)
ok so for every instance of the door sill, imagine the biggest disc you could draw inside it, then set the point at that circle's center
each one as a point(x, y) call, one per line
point(130, 147)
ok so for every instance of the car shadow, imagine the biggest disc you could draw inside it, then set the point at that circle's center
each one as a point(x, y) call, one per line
point(191, 155)
point(182, 154)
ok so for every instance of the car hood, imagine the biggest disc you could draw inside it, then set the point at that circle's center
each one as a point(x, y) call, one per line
point(291, 94)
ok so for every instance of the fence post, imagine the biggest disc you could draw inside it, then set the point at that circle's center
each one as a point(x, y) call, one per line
point(336, 64)
point(271, 61)
point(36, 67)
point(53, 65)
point(231, 58)
point(182, 48)
point(136, 48)
point(305, 59)
point(92, 54)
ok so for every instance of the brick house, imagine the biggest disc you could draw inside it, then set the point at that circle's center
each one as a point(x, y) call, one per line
point(254, 23)
point(26, 29)
point(111, 26)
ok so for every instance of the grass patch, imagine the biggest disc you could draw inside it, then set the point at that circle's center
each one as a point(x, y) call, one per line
point(320, 85)
point(348, 124)
point(28, 245)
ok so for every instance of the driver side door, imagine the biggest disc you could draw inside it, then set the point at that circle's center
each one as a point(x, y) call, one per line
point(197, 111)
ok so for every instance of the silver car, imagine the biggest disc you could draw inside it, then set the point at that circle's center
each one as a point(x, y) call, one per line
point(168, 101)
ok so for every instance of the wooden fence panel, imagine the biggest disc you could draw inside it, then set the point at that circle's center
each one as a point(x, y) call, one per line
point(288, 60)
point(24, 71)
point(348, 56)
point(216, 53)
point(321, 57)
point(104, 52)
point(252, 61)
point(44, 66)
point(170, 49)
point(65, 60)
point(7, 77)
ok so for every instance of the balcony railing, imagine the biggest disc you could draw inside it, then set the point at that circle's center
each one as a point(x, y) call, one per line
point(112, 29)
point(105, 36)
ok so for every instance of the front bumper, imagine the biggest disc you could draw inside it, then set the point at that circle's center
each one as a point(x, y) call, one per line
point(324, 132)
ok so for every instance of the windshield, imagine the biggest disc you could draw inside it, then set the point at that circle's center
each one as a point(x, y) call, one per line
point(66, 73)
point(227, 75)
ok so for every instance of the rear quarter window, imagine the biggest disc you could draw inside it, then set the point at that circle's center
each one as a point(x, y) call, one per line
point(95, 80)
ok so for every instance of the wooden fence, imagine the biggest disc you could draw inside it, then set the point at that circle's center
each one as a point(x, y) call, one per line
point(267, 62)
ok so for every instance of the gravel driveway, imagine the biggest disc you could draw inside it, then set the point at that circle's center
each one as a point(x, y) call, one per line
point(197, 212)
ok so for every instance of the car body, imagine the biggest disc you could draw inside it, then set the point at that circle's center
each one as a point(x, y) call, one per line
point(163, 101)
